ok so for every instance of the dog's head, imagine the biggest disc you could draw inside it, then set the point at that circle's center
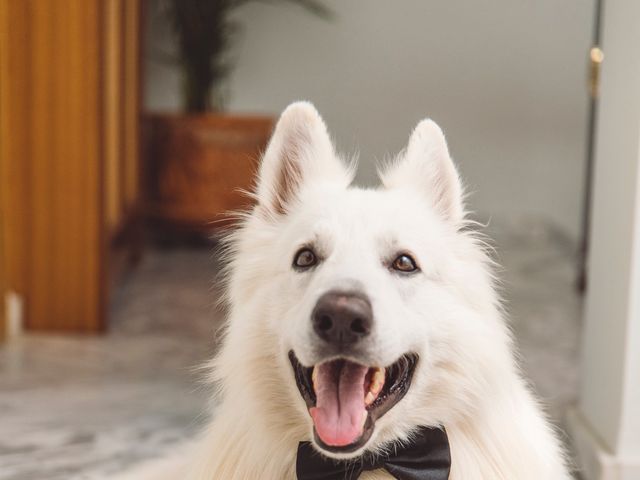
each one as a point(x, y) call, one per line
point(378, 298)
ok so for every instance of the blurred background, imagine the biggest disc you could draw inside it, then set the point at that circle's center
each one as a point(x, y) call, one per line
point(127, 128)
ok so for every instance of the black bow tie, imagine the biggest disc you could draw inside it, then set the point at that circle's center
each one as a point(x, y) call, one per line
point(426, 457)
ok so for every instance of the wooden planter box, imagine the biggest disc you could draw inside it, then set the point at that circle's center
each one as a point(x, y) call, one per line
point(196, 166)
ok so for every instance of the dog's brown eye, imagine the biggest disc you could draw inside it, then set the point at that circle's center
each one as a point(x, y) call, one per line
point(305, 258)
point(404, 263)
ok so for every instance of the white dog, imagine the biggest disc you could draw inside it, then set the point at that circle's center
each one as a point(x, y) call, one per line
point(361, 319)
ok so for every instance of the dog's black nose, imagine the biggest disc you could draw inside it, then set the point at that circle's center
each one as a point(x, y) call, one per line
point(342, 318)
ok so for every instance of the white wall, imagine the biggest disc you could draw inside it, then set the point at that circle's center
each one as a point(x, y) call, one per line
point(504, 78)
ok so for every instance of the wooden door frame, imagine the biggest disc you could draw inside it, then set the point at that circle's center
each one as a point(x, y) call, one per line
point(604, 424)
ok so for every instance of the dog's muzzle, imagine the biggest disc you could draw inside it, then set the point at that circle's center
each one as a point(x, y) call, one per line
point(344, 395)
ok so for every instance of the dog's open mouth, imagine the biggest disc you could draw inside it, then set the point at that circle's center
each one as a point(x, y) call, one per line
point(345, 398)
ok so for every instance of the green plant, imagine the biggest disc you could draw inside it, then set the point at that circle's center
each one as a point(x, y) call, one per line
point(205, 31)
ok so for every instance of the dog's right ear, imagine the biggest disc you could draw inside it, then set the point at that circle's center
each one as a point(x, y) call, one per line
point(427, 166)
point(299, 151)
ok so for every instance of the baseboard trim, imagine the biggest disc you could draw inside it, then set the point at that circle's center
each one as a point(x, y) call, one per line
point(594, 460)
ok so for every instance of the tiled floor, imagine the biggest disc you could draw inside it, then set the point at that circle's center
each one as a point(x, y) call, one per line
point(76, 408)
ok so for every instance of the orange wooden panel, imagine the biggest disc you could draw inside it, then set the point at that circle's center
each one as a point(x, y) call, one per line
point(113, 106)
point(14, 139)
point(121, 111)
point(3, 200)
point(132, 104)
point(54, 151)
point(91, 267)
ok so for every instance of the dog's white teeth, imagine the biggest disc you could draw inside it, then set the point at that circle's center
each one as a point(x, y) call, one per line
point(314, 377)
point(375, 386)
point(369, 398)
point(365, 414)
point(377, 381)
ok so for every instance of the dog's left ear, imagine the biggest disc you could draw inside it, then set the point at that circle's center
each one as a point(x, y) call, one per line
point(427, 166)
point(300, 151)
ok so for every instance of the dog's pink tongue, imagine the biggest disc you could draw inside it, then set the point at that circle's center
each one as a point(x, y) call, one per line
point(340, 410)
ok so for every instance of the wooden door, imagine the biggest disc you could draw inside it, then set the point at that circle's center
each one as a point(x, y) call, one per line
point(55, 139)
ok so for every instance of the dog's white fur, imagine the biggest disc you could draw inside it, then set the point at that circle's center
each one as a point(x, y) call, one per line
point(467, 379)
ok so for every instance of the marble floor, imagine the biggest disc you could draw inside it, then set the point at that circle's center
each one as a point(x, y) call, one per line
point(75, 408)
